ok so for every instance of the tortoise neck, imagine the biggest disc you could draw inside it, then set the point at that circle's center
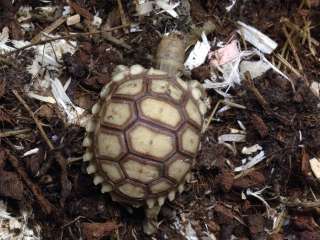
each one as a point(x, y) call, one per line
point(170, 54)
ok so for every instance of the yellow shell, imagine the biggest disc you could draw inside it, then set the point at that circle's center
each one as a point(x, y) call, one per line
point(143, 136)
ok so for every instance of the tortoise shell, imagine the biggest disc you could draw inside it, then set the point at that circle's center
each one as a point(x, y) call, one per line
point(143, 136)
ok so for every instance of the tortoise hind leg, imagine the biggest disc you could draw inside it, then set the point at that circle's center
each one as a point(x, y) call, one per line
point(151, 219)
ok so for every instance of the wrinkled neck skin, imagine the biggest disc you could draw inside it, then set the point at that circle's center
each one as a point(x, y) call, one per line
point(170, 54)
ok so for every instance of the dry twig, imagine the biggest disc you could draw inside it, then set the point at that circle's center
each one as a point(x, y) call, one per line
point(12, 133)
point(285, 47)
point(49, 29)
point(62, 37)
point(116, 41)
point(293, 48)
point(299, 30)
point(250, 85)
point(298, 203)
point(64, 181)
point(288, 65)
point(205, 127)
point(37, 122)
point(45, 205)
point(122, 15)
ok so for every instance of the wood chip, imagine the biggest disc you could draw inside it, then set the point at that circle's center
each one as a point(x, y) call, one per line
point(73, 19)
point(315, 167)
point(49, 29)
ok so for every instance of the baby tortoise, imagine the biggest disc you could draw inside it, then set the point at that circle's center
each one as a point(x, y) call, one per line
point(145, 133)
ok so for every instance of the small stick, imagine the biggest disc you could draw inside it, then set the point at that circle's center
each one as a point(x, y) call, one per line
point(45, 205)
point(116, 41)
point(122, 15)
point(232, 104)
point(285, 47)
point(37, 122)
point(205, 127)
point(59, 158)
point(243, 40)
point(305, 34)
point(226, 102)
point(298, 203)
point(49, 29)
point(288, 65)
point(311, 48)
point(293, 48)
point(71, 160)
point(255, 91)
point(12, 133)
point(279, 221)
point(299, 30)
point(62, 37)
point(64, 181)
